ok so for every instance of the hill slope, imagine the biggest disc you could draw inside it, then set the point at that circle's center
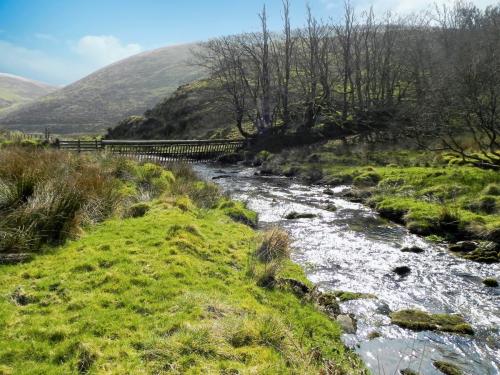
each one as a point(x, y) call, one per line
point(98, 101)
point(191, 112)
point(17, 90)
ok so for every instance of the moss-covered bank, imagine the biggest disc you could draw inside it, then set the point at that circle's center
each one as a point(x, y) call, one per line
point(170, 289)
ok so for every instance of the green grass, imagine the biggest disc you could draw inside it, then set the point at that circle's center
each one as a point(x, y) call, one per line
point(168, 292)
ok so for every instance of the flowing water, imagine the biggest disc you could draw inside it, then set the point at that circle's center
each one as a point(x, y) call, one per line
point(353, 249)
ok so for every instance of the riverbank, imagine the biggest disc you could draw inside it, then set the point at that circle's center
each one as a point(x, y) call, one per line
point(169, 285)
point(431, 194)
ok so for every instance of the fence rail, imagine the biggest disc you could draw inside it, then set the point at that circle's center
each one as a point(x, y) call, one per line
point(161, 150)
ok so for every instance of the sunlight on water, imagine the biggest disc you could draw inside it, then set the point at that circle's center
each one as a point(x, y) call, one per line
point(354, 249)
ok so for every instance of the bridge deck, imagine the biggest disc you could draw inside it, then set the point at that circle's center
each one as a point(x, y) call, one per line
point(161, 150)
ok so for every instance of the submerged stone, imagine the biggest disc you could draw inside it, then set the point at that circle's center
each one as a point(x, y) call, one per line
point(412, 249)
point(490, 282)
point(297, 215)
point(419, 320)
point(401, 270)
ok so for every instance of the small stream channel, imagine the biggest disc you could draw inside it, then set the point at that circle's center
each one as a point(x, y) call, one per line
point(353, 249)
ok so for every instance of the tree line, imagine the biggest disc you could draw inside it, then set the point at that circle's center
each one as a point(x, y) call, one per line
point(430, 76)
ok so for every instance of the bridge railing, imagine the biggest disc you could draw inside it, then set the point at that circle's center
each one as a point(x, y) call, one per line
point(190, 150)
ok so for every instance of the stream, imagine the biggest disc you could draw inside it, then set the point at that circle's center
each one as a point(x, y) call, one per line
point(353, 249)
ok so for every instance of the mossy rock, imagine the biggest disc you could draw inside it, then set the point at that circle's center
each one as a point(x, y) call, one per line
point(447, 368)
point(298, 215)
point(408, 371)
point(486, 252)
point(418, 320)
point(490, 282)
point(331, 207)
point(344, 296)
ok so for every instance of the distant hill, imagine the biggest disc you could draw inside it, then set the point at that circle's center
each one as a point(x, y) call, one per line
point(15, 90)
point(103, 98)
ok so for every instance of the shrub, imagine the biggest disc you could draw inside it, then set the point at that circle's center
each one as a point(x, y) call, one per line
point(492, 189)
point(367, 179)
point(275, 245)
point(138, 210)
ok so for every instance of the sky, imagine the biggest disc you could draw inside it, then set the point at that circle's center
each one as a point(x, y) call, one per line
point(61, 41)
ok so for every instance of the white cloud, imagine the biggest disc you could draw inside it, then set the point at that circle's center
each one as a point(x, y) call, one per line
point(36, 64)
point(104, 49)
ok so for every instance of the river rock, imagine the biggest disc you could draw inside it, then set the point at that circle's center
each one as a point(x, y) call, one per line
point(221, 177)
point(408, 371)
point(447, 368)
point(490, 282)
point(463, 246)
point(348, 323)
point(298, 215)
point(331, 207)
point(412, 249)
point(328, 192)
point(401, 270)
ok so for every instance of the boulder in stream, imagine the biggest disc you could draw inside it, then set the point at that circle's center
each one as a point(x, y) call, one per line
point(418, 320)
point(490, 282)
point(348, 323)
point(463, 246)
point(447, 368)
point(412, 249)
point(298, 215)
point(402, 270)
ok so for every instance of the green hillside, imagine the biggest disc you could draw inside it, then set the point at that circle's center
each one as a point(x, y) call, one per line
point(18, 90)
point(101, 99)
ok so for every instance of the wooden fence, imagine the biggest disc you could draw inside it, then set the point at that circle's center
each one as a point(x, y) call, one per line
point(189, 150)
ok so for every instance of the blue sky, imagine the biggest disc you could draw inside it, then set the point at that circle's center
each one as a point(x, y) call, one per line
point(60, 41)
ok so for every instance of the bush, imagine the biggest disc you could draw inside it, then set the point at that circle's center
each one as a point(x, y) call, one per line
point(275, 246)
point(367, 179)
point(492, 189)
point(138, 210)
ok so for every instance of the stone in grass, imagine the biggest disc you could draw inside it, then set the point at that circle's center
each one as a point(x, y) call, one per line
point(418, 320)
point(408, 371)
point(297, 215)
point(490, 282)
point(402, 270)
point(447, 368)
point(412, 249)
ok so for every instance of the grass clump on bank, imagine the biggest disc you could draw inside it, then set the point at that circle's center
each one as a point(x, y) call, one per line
point(166, 291)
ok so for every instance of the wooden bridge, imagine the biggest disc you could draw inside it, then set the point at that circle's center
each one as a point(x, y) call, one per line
point(163, 150)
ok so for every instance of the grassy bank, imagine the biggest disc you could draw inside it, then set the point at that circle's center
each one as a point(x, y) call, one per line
point(432, 194)
point(177, 284)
